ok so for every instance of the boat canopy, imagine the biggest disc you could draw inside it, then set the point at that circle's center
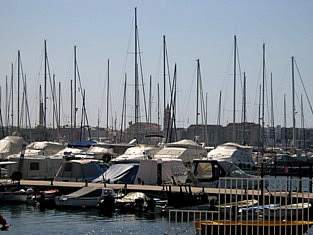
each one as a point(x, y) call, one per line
point(79, 170)
point(120, 173)
point(11, 145)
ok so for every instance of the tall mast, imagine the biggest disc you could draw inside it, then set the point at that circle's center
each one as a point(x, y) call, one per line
point(197, 99)
point(150, 100)
point(234, 105)
point(219, 109)
point(285, 120)
point(136, 76)
point(244, 109)
point(1, 120)
point(59, 122)
point(6, 104)
point(302, 123)
point(53, 106)
point(164, 73)
point(40, 107)
point(123, 109)
point(75, 70)
point(158, 90)
point(259, 119)
point(45, 88)
point(71, 109)
point(272, 113)
point(108, 89)
point(263, 96)
point(293, 105)
point(12, 97)
point(18, 89)
point(125, 103)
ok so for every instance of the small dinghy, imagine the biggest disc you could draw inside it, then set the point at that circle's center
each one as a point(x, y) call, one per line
point(85, 197)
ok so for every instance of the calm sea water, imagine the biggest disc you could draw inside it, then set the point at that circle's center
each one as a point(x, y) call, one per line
point(26, 219)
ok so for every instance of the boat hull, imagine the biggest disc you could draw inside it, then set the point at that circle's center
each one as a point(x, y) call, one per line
point(77, 202)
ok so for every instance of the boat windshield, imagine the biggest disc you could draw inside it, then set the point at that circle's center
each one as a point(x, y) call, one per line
point(204, 170)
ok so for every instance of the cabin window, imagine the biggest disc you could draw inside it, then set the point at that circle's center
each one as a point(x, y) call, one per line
point(34, 166)
point(204, 170)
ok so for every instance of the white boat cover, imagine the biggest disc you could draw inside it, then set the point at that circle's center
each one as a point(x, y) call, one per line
point(82, 192)
point(79, 170)
point(11, 145)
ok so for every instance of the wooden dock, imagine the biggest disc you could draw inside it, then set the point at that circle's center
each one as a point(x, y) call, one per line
point(153, 189)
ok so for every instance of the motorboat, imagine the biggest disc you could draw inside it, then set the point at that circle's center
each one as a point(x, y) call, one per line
point(220, 173)
point(138, 152)
point(186, 150)
point(238, 154)
point(148, 172)
point(135, 202)
point(80, 171)
point(85, 197)
point(15, 194)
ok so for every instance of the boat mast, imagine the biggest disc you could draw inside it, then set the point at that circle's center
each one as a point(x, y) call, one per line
point(234, 104)
point(136, 78)
point(263, 97)
point(108, 89)
point(53, 107)
point(6, 104)
point(293, 106)
point(285, 120)
point(158, 90)
point(272, 113)
point(164, 74)
point(71, 109)
point(18, 88)
point(40, 107)
point(59, 121)
point(150, 102)
point(244, 109)
point(197, 97)
point(45, 87)
point(1, 120)
point(123, 109)
point(75, 69)
point(219, 109)
point(12, 97)
point(302, 124)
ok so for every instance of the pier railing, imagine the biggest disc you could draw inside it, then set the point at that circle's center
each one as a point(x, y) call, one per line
point(250, 206)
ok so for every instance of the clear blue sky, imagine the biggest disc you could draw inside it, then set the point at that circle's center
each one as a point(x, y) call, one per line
point(194, 29)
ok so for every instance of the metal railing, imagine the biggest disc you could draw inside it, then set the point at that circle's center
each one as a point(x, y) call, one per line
point(251, 206)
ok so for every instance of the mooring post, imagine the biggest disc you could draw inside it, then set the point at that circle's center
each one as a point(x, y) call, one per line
point(86, 183)
point(51, 182)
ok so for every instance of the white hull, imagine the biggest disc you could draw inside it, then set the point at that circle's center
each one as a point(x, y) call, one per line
point(78, 202)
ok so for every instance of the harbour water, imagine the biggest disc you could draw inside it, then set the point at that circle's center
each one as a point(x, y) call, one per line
point(27, 219)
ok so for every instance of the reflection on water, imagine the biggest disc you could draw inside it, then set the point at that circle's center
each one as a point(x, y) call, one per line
point(33, 220)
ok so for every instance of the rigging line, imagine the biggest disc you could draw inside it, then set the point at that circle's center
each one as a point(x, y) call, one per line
point(26, 101)
point(168, 67)
point(306, 94)
point(142, 78)
point(83, 97)
point(201, 103)
point(55, 113)
point(23, 96)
